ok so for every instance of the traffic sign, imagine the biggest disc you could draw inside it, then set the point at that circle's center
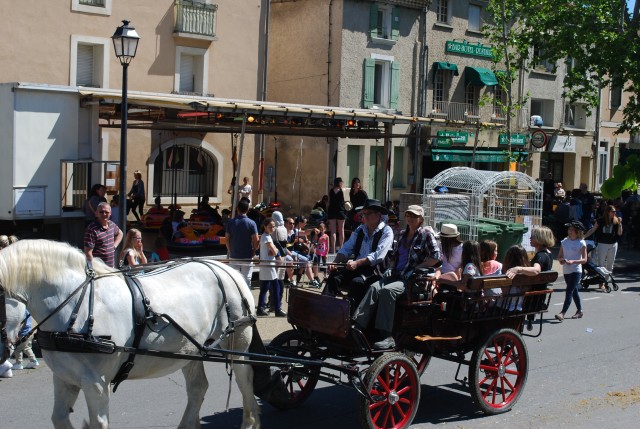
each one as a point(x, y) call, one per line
point(538, 139)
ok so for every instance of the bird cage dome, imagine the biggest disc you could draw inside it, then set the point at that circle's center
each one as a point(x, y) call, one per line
point(476, 197)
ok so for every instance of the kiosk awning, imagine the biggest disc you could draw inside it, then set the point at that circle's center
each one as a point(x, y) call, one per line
point(478, 76)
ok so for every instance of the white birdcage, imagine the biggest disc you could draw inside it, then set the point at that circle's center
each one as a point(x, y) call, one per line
point(475, 197)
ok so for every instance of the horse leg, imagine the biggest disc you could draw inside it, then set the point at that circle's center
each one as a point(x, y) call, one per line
point(251, 409)
point(64, 396)
point(97, 395)
point(197, 385)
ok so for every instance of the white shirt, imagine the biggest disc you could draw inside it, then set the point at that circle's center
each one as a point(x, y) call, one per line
point(245, 191)
point(267, 272)
point(571, 249)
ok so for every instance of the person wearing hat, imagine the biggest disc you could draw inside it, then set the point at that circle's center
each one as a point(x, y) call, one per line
point(416, 247)
point(572, 254)
point(451, 248)
point(364, 251)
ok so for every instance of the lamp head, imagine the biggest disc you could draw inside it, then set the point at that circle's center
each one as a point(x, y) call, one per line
point(125, 42)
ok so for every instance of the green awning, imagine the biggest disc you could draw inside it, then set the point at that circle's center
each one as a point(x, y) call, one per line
point(477, 76)
point(444, 66)
point(466, 155)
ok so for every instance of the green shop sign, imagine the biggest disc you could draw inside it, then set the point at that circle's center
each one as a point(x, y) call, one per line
point(466, 48)
point(453, 137)
point(516, 139)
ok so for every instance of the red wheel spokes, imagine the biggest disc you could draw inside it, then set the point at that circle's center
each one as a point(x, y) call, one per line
point(384, 414)
point(505, 356)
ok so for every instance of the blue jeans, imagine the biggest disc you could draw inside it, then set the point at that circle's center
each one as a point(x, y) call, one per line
point(573, 285)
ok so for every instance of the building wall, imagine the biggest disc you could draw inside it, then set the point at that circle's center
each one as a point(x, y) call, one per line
point(233, 64)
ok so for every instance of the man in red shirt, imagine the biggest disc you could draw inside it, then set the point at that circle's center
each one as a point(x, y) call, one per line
point(102, 236)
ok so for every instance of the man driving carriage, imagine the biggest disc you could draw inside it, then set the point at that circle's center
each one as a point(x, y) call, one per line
point(415, 248)
point(362, 254)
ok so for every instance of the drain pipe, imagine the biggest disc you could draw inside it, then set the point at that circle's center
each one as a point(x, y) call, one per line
point(422, 97)
point(330, 140)
point(265, 72)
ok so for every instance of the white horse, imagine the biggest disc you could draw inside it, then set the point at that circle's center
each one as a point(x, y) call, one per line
point(42, 274)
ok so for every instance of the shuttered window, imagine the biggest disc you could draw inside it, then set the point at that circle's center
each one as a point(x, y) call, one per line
point(84, 69)
point(186, 73)
point(384, 22)
point(381, 84)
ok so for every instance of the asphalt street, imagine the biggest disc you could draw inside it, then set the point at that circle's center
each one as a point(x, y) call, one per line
point(584, 373)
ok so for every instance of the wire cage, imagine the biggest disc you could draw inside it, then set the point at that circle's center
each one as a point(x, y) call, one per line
point(474, 198)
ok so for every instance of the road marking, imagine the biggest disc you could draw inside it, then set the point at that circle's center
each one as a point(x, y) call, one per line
point(582, 299)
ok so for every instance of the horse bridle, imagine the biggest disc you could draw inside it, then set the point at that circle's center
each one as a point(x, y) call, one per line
point(6, 351)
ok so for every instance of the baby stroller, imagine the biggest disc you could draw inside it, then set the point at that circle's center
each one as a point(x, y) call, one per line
point(595, 275)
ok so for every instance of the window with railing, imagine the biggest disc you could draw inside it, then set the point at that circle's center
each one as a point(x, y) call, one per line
point(195, 17)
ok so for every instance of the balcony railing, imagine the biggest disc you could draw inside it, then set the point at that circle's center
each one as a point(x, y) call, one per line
point(474, 113)
point(196, 18)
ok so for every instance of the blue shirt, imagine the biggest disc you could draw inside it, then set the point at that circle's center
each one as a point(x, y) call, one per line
point(375, 256)
point(241, 231)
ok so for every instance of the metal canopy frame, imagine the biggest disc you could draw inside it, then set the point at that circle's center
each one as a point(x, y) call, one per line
point(476, 194)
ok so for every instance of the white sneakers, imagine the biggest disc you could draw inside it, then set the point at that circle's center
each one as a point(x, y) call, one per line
point(31, 365)
point(5, 370)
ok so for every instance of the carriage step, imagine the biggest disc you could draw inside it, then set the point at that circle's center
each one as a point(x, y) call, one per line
point(432, 338)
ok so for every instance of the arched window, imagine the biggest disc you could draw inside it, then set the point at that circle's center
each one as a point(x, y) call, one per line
point(184, 171)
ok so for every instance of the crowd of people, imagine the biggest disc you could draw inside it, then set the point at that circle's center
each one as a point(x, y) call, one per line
point(372, 267)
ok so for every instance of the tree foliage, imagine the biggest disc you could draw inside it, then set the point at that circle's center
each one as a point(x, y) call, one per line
point(598, 38)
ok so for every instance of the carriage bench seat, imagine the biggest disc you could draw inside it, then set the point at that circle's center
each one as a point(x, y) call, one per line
point(320, 313)
point(517, 297)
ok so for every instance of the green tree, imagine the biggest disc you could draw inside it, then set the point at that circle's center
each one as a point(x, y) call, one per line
point(600, 39)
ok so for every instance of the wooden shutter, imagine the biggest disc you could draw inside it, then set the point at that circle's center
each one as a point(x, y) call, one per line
point(186, 73)
point(395, 23)
point(369, 82)
point(373, 20)
point(84, 66)
point(395, 85)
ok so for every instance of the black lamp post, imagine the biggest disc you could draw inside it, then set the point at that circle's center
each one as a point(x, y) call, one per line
point(125, 43)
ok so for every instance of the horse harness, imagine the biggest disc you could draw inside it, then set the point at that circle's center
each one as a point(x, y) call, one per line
point(76, 342)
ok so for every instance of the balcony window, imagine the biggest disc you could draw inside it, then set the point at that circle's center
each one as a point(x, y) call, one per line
point(381, 82)
point(384, 22)
point(195, 19)
point(541, 64)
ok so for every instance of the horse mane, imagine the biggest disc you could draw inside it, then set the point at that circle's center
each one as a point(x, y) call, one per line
point(32, 261)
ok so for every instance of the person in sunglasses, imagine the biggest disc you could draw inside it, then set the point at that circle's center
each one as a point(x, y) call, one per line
point(102, 236)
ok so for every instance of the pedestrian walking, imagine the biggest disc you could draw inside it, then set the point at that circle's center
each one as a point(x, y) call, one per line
point(24, 348)
point(573, 253)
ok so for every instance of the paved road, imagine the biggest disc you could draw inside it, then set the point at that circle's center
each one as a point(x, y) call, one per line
point(583, 373)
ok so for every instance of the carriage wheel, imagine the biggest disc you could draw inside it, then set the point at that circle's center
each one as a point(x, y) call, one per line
point(498, 371)
point(394, 384)
point(299, 382)
point(420, 360)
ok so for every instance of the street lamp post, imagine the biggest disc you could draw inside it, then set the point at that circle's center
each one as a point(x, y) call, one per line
point(125, 44)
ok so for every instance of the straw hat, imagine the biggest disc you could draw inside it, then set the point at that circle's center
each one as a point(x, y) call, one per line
point(449, 230)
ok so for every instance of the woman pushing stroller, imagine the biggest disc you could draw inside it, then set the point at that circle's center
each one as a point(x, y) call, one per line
point(608, 231)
